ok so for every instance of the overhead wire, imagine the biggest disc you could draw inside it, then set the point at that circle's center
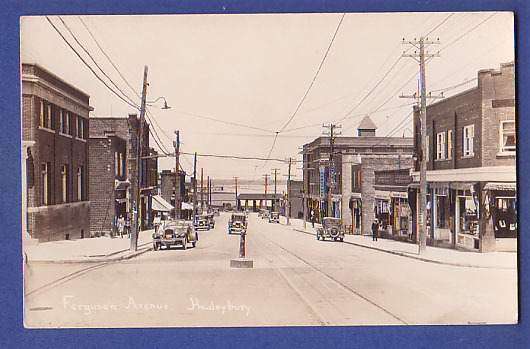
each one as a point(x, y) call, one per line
point(86, 64)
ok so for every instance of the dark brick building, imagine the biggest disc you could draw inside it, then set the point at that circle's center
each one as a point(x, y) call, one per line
point(471, 178)
point(126, 128)
point(54, 136)
point(108, 182)
point(167, 186)
point(355, 160)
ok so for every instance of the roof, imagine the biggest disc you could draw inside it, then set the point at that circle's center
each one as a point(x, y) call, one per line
point(258, 196)
point(367, 124)
point(161, 205)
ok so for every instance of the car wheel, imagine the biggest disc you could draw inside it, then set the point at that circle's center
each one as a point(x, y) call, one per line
point(155, 246)
point(318, 237)
point(194, 243)
point(341, 239)
point(323, 238)
point(184, 243)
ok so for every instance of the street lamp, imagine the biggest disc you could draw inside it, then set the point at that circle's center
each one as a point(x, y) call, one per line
point(156, 100)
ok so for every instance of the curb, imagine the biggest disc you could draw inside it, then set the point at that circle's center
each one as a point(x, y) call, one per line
point(417, 257)
point(104, 259)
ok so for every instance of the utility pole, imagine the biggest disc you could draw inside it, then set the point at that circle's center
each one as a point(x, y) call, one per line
point(235, 179)
point(274, 199)
point(202, 192)
point(289, 192)
point(177, 177)
point(266, 177)
point(194, 185)
point(331, 170)
point(139, 145)
point(208, 193)
point(422, 240)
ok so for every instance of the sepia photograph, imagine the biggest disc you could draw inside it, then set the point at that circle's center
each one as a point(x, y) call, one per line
point(268, 170)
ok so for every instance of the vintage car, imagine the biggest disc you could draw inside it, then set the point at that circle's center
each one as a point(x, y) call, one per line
point(266, 214)
point(274, 217)
point(331, 228)
point(202, 221)
point(216, 211)
point(211, 220)
point(237, 222)
point(175, 233)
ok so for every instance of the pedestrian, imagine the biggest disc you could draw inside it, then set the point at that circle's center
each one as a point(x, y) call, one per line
point(375, 230)
point(121, 225)
point(313, 218)
point(157, 222)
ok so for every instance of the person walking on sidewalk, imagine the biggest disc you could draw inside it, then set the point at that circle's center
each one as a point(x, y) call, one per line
point(313, 218)
point(375, 230)
point(121, 225)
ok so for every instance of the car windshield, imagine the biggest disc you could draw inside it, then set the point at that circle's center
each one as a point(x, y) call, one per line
point(238, 217)
point(331, 221)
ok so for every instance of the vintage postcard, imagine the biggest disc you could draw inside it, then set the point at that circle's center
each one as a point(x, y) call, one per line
point(339, 169)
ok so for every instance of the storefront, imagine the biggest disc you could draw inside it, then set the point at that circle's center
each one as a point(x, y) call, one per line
point(400, 214)
point(356, 212)
point(501, 207)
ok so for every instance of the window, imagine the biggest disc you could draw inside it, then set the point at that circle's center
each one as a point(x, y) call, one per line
point(79, 127)
point(64, 120)
point(64, 183)
point(440, 148)
point(469, 134)
point(45, 183)
point(45, 115)
point(355, 178)
point(449, 144)
point(507, 137)
point(122, 165)
point(80, 186)
point(116, 164)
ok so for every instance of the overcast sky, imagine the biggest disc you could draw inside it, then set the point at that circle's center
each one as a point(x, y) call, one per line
point(254, 70)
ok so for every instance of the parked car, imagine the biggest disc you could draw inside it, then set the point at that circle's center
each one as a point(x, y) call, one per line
point(237, 222)
point(216, 211)
point(274, 217)
point(331, 228)
point(266, 214)
point(211, 220)
point(175, 233)
point(202, 222)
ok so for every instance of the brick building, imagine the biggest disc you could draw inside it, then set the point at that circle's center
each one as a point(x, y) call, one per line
point(55, 156)
point(295, 190)
point(354, 163)
point(167, 186)
point(108, 182)
point(126, 128)
point(471, 152)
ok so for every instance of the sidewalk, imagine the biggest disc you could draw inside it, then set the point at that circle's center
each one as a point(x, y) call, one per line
point(461, 258)
point(89, 250)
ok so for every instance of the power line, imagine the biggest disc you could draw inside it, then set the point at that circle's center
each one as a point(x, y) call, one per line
point(316, 75)
point(469, 31)
point(235, 157)
point(445, 20)
point(224, 121)
point(86, 64)
point(93, 60)
point(104, 53)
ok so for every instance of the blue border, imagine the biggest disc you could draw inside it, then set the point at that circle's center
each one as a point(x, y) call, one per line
point(14, 335)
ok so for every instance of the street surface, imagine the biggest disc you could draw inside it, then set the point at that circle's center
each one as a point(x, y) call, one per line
point(296, 281)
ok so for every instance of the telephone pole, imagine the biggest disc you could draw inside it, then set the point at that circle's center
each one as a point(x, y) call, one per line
point(177, 177)
point(202, 192)
point(289, 193)
point(331, 166)
point(422, 216)
point(274, 199)
point(208, 193)
point(235, 179)
point(266, 177)
point(194, 188)
point(139, 146)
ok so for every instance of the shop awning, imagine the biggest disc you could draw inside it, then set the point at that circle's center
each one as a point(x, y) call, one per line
point(508, 186)
point(382, 194)
point(161, 205)
point(186, 206)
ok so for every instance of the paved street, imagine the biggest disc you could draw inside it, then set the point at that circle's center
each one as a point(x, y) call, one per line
point(296, 280)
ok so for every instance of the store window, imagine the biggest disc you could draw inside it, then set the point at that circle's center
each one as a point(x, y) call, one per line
point(440, 146)
point(468, 136)
point(505, 217)
point(468, 215)
point(507, 136)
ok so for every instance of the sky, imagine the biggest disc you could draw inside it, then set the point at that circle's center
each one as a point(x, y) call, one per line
point(234, 81)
